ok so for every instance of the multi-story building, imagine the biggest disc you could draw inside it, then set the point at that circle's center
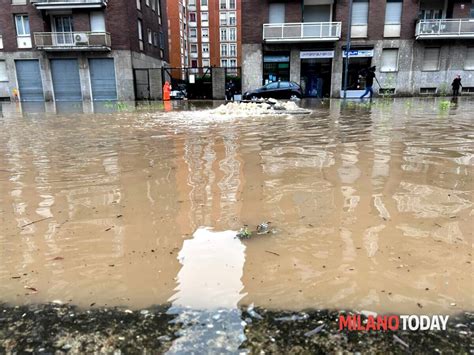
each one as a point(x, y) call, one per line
point(418, 46)
point(68, 50)
point(207, 32)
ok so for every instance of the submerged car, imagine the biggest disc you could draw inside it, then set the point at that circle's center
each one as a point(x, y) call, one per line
point(276, 90)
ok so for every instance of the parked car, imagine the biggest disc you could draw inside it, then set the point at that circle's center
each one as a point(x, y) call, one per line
point(276, 90)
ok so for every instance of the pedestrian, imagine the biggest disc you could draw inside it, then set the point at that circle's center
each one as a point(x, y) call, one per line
point(456, 85)
point(369, 82)
point(166, 91)
point(230, 91)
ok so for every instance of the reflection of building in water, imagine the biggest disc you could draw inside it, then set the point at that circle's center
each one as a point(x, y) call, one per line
point(209, 289)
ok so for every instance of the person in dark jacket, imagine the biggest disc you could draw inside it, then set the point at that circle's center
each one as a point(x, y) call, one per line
point(456, 85)
point(230, 91)
point(369, 82)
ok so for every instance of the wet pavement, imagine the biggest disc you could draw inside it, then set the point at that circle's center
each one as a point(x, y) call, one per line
point(112, 205)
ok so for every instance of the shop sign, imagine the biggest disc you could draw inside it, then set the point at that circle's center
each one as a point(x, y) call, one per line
point(276, 58)
point(316, 54)
point(359, 53)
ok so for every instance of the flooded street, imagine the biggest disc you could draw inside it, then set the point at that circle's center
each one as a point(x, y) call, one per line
point(371, 208)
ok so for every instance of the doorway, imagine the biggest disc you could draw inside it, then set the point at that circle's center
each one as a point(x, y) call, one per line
point(316, 77)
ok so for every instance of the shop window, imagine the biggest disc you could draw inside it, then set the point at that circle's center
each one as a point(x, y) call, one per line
point(276, 13)
point(389, 60)
point(469, 61)
point(276, 67)
point(431, 59)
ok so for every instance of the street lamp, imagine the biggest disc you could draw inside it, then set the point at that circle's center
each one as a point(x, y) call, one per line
point(348, 48)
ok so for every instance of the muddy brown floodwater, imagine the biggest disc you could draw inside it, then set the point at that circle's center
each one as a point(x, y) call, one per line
point(372, 208)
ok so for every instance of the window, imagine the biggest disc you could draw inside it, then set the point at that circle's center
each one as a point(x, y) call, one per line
point(360, 12)
point(393, 12)
point(206, 63)
point(203, 2)
point(139, 4)
point(147, 2)
point(223, 50)
point(232, 4)
point(469, 62)
point(158, 8)
point(205, 47)
point(140, 34)
point(97, 21)
point(204, 16)
point(155, 39)
point(153, 5)
point(223, 4)
point(192, 17)
point(194, 48)
point(272, 85)
point(431, 59)
point(150, 37)
point(233, 50)
point(18, 2)
point(233, 63)
point(194, 63)
point(162, 41)
point(205, 32)
point(191, 2)
point(232, 19)
point(232, 34)
point(389, 60)
point(3, 71)
point(223, 34)
point(223, 62)
point(276, 13)
point(22, 25)
point(192, 33)
point(223, 18)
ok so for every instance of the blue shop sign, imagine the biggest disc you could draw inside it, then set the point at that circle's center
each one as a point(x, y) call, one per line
point(276, 58)
point(359, 53)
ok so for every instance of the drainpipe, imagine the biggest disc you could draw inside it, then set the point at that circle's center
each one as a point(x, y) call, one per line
point(348, 48)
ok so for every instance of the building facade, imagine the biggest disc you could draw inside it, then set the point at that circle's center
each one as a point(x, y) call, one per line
point(71, 50)
point(205, 33)
point(417, 46)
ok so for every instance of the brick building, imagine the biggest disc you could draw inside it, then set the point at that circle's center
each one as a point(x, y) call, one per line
point(205, 33)
point(418, 46)
point(68, 50)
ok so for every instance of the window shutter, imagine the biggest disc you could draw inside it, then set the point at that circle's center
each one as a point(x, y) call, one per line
point(277, 13)
point(469, 63)
point(393, 13)
point(431, 59)
point(389, 60)
point(360, 13)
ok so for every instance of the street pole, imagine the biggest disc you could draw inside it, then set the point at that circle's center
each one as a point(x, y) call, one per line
point(348, 48)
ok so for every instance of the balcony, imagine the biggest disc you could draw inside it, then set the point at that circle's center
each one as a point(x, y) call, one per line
point(72, 41)
point(302, 32)
point(445, 28)
point(68, 4)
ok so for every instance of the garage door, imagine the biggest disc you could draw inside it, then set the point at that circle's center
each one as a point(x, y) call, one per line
point(29, 80)
point(103, 79)
point(66, 82)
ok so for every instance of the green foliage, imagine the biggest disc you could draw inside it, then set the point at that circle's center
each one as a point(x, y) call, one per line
point(443, 89)
point(445, 105)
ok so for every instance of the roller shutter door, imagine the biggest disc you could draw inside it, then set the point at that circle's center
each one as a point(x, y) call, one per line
point(102, 73)
point(66, 82)
point(29, 80)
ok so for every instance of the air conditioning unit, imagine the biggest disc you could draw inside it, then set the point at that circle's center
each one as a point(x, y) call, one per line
point(81, 38)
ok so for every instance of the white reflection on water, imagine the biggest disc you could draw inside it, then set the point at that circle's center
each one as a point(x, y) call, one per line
point(208, 292)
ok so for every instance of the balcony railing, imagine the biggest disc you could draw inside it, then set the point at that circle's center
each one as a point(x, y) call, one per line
point(445, 28)
point(302, 32)
point(81, 41)
point(68, 4)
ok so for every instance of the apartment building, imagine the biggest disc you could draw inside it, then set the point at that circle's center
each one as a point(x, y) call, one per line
point(205, 33)
point(418, 46)
point(71, 50)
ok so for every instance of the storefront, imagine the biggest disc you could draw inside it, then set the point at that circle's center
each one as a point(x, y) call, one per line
point(276, 67)
point(359, 60)
point(316, 68)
